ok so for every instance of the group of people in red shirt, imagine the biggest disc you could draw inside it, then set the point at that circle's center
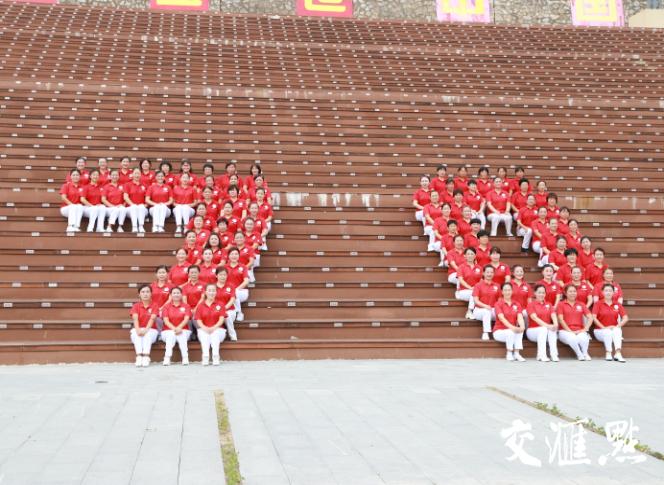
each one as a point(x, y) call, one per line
point(225, 220)
point(577, 289)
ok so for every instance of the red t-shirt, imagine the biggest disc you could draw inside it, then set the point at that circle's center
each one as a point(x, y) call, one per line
point(470, 241)
point(470, 274)
point(499, 200)
point(73, 192)
point(124, 177)
point(84, 180)
point(455, 210)
point(193, 292)
point(543, 311)
point(521, 293)
point(501, 272)
point(144, 314)
point(233, 224)
point(160, 294)
point(617, 291)
point(446, 197)
point(422, 197)
point(474, 201)
point(484, 186)
point(488, 293)
point(583, 290)
point(447, 242)
point(170, 179)
point(246, 253)
point(175, 314)
point(552, 212)
point(461, 184)
point(464, 227)
point(114, 194)
point(136, 192)
point(148, 179)
point(208, 274)
point(454, 256)
point(539, 226)
point(483, 257)
point(549, 239)
point(563, 227)
point(564, 273)
point(553, 289)
point(224, 294)
point(104, 178)
point(573, 241)
point(557, 258)
point(540, 199)
point(438, 184)
point(93, 193)
point(239, 206)
point(433, 212)
point(202, 237)
point(527, 216)
point(520, 200)
point(177, 275)
point(184, 196)
point(237, 275)
point(193, 254)
point(595, 274)
point(586, 259)
point(440, 225)
point(573, 314)
point(159, 193)
point(209, 315)
point(213, 209)
point(608, 314)
point(509, 311)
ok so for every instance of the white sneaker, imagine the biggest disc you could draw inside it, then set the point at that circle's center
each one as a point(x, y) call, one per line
point(544, 359)
point(608, 356)
point(155, 229)
point(134, 230)
point(240, 317)
point(69, 229)
point(485, 336)
point(141, 229)
point(119, 229)
point(555, 359)
point(619, 358)
point(580, 357)
point(509, 356)
point(178, 230)
point(146, 361)
point(90, 230)
point(441, 264)
point(77, 229)
point(215, 360)
point(185, 360)
point(233, 337)
point(205, 361)
point(469, 315)
point(108, 229)
point(518, 356)
point(430, 248)
point(139, 361)
point(167, 361)
point(587, 357)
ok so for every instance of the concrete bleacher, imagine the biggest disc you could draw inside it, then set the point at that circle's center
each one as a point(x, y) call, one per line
point(344, 117)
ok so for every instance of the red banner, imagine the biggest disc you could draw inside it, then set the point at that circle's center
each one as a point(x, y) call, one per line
point(324, 8)
point(179, 4)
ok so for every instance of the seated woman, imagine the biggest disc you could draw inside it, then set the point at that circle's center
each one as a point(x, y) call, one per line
point(609, 318)
point(501, 272)
point(144, 314)
point(524, 221)
point(421, 197)
point(210, 317)
point(184, 199)
point(499, 208)
point(543, 325)
point(134, 197)
point(176, 315)
point(93, 208)
point(485, 294)
point(238, 278)
point(468, 274)
point(72, 207)
point(159, 199)
point(112, 196)
point(608, 278)
point(575, 320)
point(431, 212)
point(509, 326)
point(226, 296)
point(455, 258)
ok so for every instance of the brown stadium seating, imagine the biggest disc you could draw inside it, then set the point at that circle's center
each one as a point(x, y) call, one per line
point(344, 117)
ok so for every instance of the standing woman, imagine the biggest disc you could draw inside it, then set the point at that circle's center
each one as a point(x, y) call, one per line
point(522, 292)
point(159, 199)
point(211, 330)
point(468, 274)
point(609, 318)
point(176, 315)
point(93, 208)
point(575, 320)
point(72, 208)
point(178, 274)
point(144, 314)
point(112, 196)
point(184, 197)
point(226, 296)
point(147, 174)
point(104, 172)
point(125, 171)
point(422, 197)
point(543, 325)
point(486, 294)
point(509, 326)
point(167, 169)
point(134, 196)
point(238, 278)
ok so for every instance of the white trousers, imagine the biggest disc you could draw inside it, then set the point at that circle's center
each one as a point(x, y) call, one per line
point(95, 213)
point(240, 297)
point(481, 217)
point(579, 343)
point(73, 213)
point(453, 279)
point(143, 343)
point(611, 337)
point(496, 219)
point(537, 246)
point(419, 215)
point(117, 213)
point(182, 214)
point(513, 340)
point(230, 323)
point(159, 214)
point(485, 316)
point(466, 295)
point(137, 213)
point(428, 231)
point(169, 338)
point(211, 340)
point(526, 234)
point(542, 335)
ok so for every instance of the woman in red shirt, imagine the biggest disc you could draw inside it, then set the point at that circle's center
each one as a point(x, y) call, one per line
point(524, 221)
point(461, 179)
point(161, 290)
point(421, 197)
point(226, 296)
point(169, 177)
point(499, 208)
point(239, 204)
point(455, 258)
point(522, 291)
point(93, 208)
point(143, 334)
point(254, 171)
point(573, 235)
point(595, 271)
point(609, 318)
point(185, 169)
point(476, 202)
point(264, 208)
point(484, 183)
point(584, 290)
point(208, 268)
point(159, 199)
point(238, 278)
point(176, 315)
point(586, 256)
point(104, 172)
point(557, 258)
point(134, 197)
point(251, 194)
point(543, 325)
point(553, 289)
point(210, 317)
point(184, 198)
point(148, 175)
point(85, 174)
point(432, 211)
point(468, 275)
point(608, 278)
point(72, 208)
point(177, 275)
point(125, 171)
point(112, 196)
point(219, 256)
point(541, 194)
point(509, 326)
point(575, 320)
point(485, 294)
point(501, 271)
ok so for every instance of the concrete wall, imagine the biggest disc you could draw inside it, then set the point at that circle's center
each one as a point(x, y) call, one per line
point(527, 12)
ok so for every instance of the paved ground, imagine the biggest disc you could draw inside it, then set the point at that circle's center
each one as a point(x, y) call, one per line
point(325, 422)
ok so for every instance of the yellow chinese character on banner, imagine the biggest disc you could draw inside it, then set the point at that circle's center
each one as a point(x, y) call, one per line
point(329, 6)
point(597, 10)
point(463, 7)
